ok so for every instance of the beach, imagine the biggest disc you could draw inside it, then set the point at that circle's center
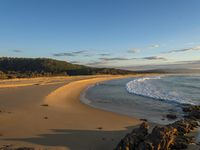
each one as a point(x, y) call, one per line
point(46, 113)
point(99, 75)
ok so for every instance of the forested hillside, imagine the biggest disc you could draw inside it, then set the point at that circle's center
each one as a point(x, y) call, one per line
point(35, 67)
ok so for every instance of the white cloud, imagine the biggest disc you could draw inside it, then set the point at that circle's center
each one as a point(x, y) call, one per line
point(155, 46)
point(133, 50)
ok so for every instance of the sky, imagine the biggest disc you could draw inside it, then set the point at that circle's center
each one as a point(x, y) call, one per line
point(102, 33)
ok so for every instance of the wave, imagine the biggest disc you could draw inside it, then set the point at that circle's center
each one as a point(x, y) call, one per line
point(147, 88)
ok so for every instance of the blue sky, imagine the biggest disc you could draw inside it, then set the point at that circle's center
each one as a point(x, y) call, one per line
point(111, 33)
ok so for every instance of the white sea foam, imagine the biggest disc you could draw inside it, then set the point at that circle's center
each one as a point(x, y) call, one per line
point(145, 87)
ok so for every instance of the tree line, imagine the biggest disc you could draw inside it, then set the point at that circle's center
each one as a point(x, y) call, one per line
point(37, 67)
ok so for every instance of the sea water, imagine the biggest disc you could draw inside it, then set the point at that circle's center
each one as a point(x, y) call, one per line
point(150, 98)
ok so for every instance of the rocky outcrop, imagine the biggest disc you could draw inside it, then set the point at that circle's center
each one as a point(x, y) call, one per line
point(161, 138)
point(134, 139)
point(172, 136)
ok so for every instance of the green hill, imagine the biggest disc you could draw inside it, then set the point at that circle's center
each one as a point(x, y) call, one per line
point(34, 67)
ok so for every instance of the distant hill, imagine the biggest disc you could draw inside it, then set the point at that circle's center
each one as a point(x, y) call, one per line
point(35, 67)
point(176, 67)
point(170, 71)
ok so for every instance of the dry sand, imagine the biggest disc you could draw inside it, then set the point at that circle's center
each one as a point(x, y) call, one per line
point(65, 123)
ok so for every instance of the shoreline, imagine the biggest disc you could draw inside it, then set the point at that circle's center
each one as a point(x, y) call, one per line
point(74, 96)
point(108, 104)
point(51, 116)
point(49, 126)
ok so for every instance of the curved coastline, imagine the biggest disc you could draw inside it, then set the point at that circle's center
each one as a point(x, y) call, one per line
point(101, 97)
point(73, 92)
point(64, 122)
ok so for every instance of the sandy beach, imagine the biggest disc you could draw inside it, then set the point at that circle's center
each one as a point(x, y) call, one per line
point(46, 113)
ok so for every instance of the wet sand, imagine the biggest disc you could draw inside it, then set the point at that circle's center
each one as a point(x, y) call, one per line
point(64, 122)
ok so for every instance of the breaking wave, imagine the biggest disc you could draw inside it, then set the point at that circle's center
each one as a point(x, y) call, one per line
point(149, 87)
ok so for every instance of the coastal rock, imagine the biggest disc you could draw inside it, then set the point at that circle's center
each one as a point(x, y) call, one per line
point(180, 146)
point(182, 142)
point(195, 114)
point(190, 108)
point(132, 140)
point(172, 136)
point(171, 116)
point(146, 146)
point(182, 127)
point(192, 112)
point(162, 137)
point(145, 120)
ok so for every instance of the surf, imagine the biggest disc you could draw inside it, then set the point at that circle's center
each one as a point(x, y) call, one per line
point(148, 88)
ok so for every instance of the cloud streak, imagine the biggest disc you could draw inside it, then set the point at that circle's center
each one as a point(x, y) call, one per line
point(154, 46)
point(79, 52)
point(124, 59)
point(75, 62)
point(197, 48)
point(96, 63)
point(63, 54)
point(105, 54)
point(17, 51)
point(114, 58)
point(105, 60)
point(71, 54)
point(154, 58)
point(133, 50)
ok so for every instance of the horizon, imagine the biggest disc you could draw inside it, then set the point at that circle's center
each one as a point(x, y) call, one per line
point(102, 34)
point(184, 65)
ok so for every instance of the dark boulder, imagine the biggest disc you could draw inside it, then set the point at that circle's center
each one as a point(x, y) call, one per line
point(132, 140)
point(171, 116)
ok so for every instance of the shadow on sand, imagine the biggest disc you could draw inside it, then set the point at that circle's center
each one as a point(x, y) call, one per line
point(79, 139)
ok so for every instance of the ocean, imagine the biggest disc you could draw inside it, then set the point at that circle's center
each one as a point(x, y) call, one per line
point(150, 98)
